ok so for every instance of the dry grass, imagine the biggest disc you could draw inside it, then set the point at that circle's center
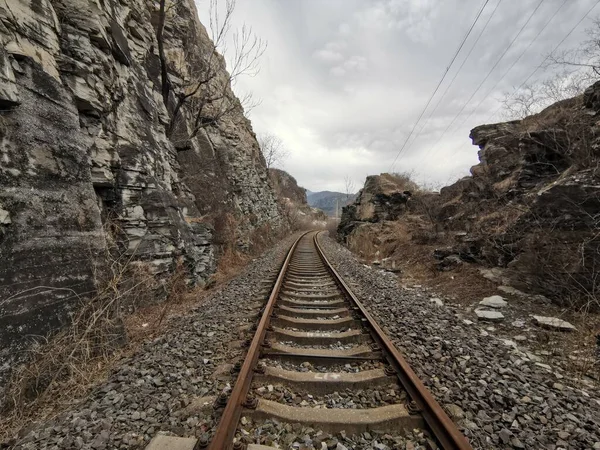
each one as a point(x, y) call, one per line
point(398, 242)
point(64, 368)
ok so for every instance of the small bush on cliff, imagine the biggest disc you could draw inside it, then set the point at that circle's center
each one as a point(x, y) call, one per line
point(405, 182)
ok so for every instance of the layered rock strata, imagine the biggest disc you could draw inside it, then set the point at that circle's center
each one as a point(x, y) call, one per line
point(86, 161)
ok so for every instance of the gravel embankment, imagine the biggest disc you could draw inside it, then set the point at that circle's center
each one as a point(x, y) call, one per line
point(501, 396)
point(158, 389)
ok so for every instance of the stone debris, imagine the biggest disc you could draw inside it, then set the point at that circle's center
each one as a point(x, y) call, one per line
point(474, 373)
point(490, 316)
point(436, 301)
point(495, 301)
point(553, 323)
point(166, 386)
point(511, 290)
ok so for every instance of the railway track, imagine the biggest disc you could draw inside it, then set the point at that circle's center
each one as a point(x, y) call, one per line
point(314, 340)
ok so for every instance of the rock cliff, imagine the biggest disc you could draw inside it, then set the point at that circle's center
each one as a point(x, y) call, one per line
point(383, 197)
point(531, 204)
point(287, 187)
point(293, 202)
point(530, 207)
point(86, 160)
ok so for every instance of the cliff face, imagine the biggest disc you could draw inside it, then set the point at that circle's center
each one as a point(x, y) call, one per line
point(84, 150)
point(383, 197)
point(531, 204)
point(287, 187)
point(530, 207)
point(294, 205)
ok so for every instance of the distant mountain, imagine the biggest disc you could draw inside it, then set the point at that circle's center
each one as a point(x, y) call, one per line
point(328, 201)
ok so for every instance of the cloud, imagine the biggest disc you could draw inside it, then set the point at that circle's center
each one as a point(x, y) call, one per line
point(343, 81)
point(331, 52)
point(329, 56)
point(353, 64)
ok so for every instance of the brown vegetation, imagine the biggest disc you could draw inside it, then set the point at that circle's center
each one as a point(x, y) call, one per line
point(130, 307)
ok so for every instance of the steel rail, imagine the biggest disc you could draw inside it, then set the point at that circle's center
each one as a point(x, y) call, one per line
point(442, 427)
point(223, 437)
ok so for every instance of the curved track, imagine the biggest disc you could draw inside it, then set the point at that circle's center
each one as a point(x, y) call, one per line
point(312, 318)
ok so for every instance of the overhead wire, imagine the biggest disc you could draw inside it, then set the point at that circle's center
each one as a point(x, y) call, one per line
point(457, 73)
point(488, 74)
point(440, 82)
point(540, 65)
point(513, 64)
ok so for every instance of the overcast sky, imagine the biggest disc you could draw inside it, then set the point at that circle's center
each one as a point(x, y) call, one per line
point(343, 81)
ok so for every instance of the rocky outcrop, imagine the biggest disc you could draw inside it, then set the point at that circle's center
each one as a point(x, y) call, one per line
point(383, 197)
point(531, 204)
point(86, 161)
point(529, 209)
point(287, 188)
point(293, 202)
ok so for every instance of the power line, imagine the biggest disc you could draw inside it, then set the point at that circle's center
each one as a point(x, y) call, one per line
point(540, 64)
point(458, 71)
point(439, 83)
point(513, 64)
point(489, 72)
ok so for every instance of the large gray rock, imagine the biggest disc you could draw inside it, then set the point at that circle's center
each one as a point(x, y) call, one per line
point(84, 150)
point(495, 301)
point(489, 316)
point(553, 323)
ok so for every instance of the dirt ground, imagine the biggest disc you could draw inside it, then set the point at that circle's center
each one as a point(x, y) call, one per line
point(392, 247)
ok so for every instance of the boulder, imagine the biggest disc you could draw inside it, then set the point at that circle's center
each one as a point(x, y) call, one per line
point(489, 316)
point(383, 197)
point(495, 301)
point(553, 323)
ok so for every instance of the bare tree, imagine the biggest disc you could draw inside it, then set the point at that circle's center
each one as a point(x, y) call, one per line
point(571, 71)
point(272, 149)
point(532, 98)
point(585, 56)
point(349, 188)
point(205, 94)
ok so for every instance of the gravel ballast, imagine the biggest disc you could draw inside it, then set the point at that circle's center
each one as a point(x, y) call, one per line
point(169, 384)
point(501, 395)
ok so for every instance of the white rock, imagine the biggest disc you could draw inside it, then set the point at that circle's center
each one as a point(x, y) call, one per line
point(533, 357)
point(553, 322)
point(491, 316)
point(494, 274)
point(512, 290)
point(4, 217)
point(509, 343)
point(437, 301)
point(468, 322)
point(495, 301)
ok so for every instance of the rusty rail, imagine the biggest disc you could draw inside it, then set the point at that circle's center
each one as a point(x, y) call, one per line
point(444, 430)
point(223, 437)
point(442, 427)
